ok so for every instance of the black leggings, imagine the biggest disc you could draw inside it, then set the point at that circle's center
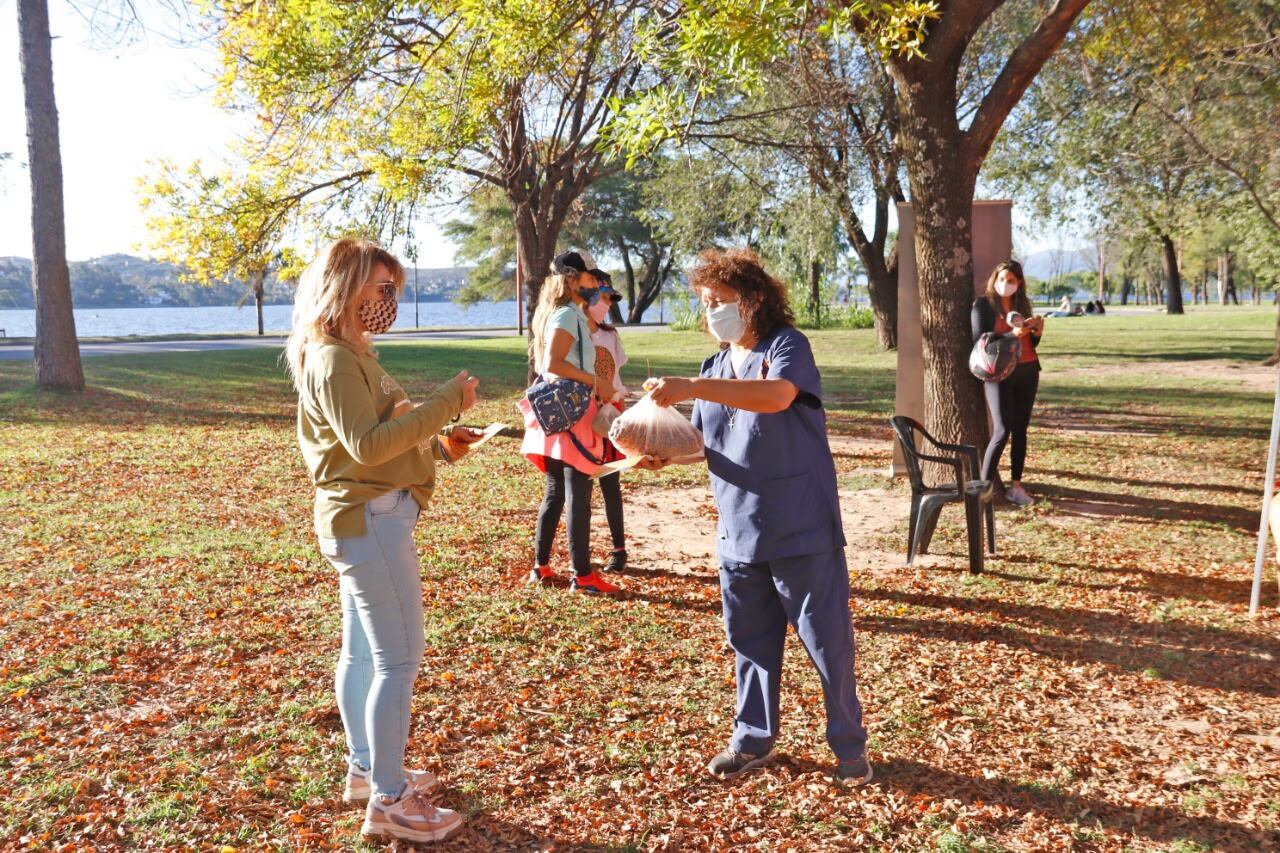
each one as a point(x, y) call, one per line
point(579, 522)
point(1010, 403)
point(611, 491)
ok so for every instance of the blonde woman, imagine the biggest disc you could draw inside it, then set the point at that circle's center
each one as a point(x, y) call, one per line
point(371, 454)
point(562, 349)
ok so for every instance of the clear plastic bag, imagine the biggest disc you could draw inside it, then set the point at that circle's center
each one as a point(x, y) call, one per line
point(604, 419)
point(647, 429)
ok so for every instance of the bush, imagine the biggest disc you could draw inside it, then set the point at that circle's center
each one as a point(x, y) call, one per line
point(686, 316)
point(840, 317)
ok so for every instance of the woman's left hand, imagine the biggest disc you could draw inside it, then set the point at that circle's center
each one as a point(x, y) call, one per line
point(459, 441)
point(669, 390)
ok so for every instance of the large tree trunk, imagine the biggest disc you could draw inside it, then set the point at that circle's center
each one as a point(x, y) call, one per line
point(1172, 276)
point(1126, 285)
point(942, 188)
point(57, 351)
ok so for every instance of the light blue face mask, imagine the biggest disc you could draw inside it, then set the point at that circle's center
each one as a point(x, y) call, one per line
point(726, 323)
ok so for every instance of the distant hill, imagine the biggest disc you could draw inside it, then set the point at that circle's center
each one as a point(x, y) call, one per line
point(127, 281)
point(1049, 263)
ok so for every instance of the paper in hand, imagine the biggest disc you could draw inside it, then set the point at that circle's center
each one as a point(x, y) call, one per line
point(615, 467)
point(489, 432)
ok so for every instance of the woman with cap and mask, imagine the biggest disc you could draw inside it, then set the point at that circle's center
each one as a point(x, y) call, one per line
point(780, 539)
point(561, 348)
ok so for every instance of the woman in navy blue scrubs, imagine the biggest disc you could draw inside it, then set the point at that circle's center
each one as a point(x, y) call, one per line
point(780, 542)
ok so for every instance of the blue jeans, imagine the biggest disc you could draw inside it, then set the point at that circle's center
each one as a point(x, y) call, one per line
point(810, 593)
point(382, 636)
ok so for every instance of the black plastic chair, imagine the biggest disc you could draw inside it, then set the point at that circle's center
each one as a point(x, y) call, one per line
point(927, 501)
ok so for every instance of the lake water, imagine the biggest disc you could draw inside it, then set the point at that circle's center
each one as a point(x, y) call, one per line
point(212, 319)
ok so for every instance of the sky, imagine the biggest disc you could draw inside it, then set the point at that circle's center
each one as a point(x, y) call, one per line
point(124, 105)
point(118, 107)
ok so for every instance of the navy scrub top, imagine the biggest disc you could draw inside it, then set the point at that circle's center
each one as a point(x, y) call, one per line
point(772, 474)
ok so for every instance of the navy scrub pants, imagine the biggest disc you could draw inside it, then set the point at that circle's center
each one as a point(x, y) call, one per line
point(810, 593)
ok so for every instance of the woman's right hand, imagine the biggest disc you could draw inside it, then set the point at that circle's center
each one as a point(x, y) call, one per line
point(468, 383)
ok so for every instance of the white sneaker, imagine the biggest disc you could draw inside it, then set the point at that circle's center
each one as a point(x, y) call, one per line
point(410, 818)
point(359, 785)
point(1018, 496)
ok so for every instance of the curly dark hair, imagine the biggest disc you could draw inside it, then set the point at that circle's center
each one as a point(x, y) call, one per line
point(765, 306)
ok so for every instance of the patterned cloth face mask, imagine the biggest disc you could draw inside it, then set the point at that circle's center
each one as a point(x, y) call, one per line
point(378, 315)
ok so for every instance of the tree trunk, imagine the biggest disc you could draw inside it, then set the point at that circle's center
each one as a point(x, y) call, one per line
point(882, 273)
point(942, 188)
point(56, 351)
point(656, 271)
point(259, 278)
point(1227, 279)
point(1126, 284)
point(1172, 277)
point(815, 292)
point(1102, 271)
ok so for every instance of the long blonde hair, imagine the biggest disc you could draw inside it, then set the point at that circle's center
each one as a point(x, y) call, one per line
point(556, 292)
point(327, 290)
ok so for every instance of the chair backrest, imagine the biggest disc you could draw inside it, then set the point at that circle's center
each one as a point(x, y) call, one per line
point(906, 429)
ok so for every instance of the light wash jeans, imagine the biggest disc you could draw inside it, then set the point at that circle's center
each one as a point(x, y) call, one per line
point(382, 636)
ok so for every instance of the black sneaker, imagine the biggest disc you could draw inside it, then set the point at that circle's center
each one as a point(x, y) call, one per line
point(730, 763)
point(617, 561)
point(853, 773)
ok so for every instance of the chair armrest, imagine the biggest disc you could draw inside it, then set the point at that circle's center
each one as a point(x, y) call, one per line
point(968, 451)
point(950, 461)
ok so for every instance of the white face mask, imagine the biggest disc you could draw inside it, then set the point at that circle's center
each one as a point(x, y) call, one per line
point(726, 323)
point(1006, 288)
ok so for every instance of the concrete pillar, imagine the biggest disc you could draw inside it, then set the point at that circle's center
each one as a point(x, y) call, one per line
point(992, 243)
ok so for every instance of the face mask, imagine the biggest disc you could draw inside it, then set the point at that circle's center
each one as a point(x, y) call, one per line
point(378, 314)
point(599, 312)
point(726, 323)
point(1005, 288)
point(590, 295)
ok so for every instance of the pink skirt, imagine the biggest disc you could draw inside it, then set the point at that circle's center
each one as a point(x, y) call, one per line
point(537, 446)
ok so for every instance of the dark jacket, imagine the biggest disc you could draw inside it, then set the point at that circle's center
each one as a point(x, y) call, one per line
point(982, 319)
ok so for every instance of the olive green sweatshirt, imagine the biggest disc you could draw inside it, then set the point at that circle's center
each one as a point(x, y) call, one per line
point(353, 446)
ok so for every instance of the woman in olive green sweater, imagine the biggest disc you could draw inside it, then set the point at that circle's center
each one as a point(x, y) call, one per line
point(371, 454)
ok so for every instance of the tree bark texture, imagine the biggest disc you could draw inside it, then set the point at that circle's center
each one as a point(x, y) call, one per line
point(56, 351)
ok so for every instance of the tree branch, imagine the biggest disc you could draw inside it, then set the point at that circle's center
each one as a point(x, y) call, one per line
point(1016, 76)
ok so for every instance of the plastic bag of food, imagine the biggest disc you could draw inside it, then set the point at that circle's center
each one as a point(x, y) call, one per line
point(647, 429)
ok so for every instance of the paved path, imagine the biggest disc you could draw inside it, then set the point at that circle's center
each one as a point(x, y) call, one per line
point(145, 347)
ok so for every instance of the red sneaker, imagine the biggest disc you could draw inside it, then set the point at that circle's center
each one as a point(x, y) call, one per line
point(592, 584)
point(540, 575)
